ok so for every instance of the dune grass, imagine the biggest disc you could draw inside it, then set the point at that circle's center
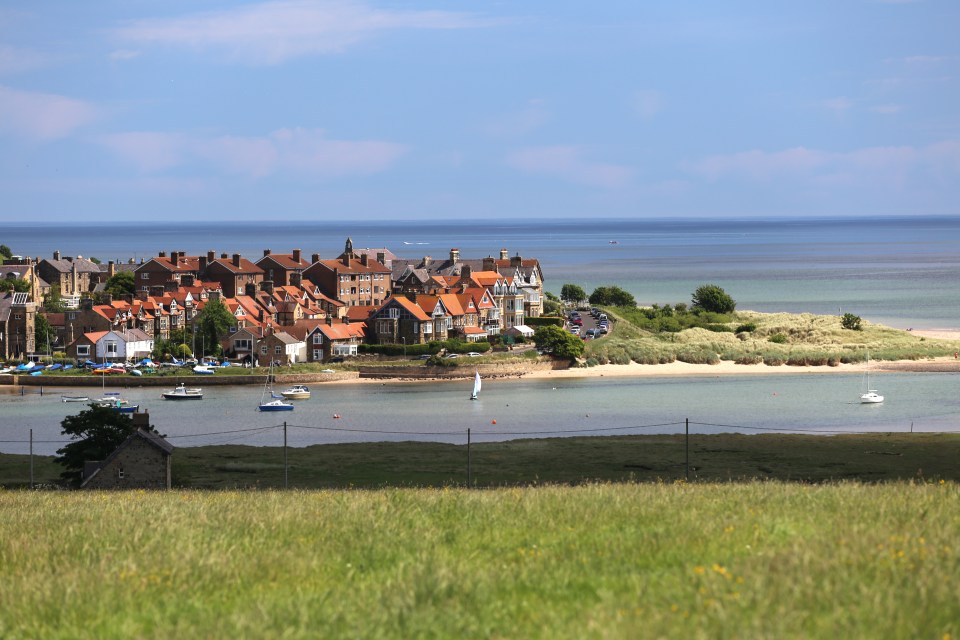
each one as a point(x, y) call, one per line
point(755, 560)
point(777, 339)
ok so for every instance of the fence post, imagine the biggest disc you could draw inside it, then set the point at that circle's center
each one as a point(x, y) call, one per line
point(31, 458)
point(285, 472)
point(687, 448)
point(469, 470)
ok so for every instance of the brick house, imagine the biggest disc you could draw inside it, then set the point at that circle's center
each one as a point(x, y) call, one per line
point(401, 321)
point(353, 279)
point(280, 267)
point(142, 461)
point(159, 271)
point(234, 274)
point(17, 325)
point(326, 339)
point(73, 277)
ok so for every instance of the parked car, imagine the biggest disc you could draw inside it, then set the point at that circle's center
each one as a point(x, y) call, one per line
point(575, 330)
point(473, 354)
point(425, 356)
point(451, 356)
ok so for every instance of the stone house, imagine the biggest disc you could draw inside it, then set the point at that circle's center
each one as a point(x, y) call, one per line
point(401, 321)
point(73, 277)
point(280, 348)
point(17, 325)
point(142, 461)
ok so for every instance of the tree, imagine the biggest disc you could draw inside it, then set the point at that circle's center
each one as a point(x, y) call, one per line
point(710, 297)
point(14, 284)
point(120, 284)
point(560, 343)
point(612, 296)
point(852, 322)
point(213, 324)
point(43, 334)
point(97, 432)
point(572, 293)
point(5, 252)
point(53, 302)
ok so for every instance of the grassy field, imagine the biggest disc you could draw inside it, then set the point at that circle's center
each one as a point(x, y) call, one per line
point(880, 457)
point(753, 560)
point(801, 339)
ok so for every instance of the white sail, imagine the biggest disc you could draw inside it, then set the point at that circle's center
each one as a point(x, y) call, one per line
point(476, 386)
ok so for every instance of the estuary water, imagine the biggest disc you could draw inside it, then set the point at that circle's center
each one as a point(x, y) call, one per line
point(825, 403)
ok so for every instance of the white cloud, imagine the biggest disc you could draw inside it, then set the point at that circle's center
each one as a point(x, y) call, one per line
point(306, 151)
point(566, 162)
point(43, 116)
point(124, 54)
point(271, 32)
point(647, 103)
point(18, 60)
point(870, 166)
point(531, 117)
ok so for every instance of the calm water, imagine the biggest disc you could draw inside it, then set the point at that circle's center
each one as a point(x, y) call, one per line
point(522, 409)
point(903, 272)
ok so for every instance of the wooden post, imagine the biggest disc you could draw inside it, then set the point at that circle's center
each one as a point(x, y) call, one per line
point(31, 458)
point(687, 447)
point(285, 470)
point(469, 470)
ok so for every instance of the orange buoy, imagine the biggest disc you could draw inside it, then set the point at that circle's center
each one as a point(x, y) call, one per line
point(493, 422)
point(336, 416)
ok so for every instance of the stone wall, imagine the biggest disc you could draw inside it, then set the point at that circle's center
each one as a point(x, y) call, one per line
point(144, 467)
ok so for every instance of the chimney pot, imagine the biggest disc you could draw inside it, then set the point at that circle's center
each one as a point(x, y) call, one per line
point(504, 254)
point(56, 255)
point(296, 256)
point(315, 257)
point(236, 259)
point(266, 252)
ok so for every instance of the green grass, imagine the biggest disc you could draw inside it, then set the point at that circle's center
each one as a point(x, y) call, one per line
point(879, 457)
point(754, 560)
point(798, 340)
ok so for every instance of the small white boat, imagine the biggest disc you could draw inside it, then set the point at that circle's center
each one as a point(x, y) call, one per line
point(182, 393)
point(296, 392)
point(275, 405)
point(204, 370)
point(870, 396)
point(476, 386)
point(74, 399)
point(111, 400)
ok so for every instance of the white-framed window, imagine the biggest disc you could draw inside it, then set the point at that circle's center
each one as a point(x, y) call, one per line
point(278, 350)
point(318, 354)
point(242, 344)
point(111, 347)
point(393, 312)
point(83, 350)
point(263, 349)
point(120, 473)
point(318, 338)
point(145, 276)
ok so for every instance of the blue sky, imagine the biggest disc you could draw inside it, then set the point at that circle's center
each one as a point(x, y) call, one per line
point(339, 110)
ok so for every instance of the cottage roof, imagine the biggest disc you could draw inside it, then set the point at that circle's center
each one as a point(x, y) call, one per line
point(152, 438)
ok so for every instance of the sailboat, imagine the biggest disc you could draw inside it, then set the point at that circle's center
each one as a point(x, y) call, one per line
point(276, 403)
point(476, 386)
point(870, 396)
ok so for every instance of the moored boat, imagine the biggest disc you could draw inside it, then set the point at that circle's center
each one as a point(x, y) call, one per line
point(296, 392)
point(183, 393)
point(74, 399)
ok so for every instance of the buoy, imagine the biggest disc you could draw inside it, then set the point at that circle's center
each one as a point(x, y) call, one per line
point(493, 422)
point(336, 416)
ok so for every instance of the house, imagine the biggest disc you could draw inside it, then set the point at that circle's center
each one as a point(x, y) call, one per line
point(353, 279)
point(24, 269)
point(326, 339)
point(17, 325)
point(234, 274)
point(142, 461)
point(159, 271)
point(283, 269)
point(72, 277)
point(401, 321)
point(280, 348)
point(111, 346)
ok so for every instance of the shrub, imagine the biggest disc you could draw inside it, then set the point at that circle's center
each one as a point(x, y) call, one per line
point(778, 338)
point(851, 322)
point(749, 327)
point(710, 297)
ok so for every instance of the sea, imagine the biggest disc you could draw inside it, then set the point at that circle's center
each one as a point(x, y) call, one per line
point(901, 272)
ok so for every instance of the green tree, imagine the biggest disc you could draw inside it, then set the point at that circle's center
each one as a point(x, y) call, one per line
point(96, 432)
point(851, 322)
point(5, 252)
point(53, 301)
point(554, 340)
point(612, 296)
point(213, 324)
point(43, 334)
point(710, 297)
point(14, 284)
point(572, 293)
point(120, 284)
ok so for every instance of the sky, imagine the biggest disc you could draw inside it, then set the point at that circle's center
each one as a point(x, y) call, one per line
point(127, 110)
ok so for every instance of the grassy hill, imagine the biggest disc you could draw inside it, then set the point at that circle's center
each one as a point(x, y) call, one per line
point(755, 560)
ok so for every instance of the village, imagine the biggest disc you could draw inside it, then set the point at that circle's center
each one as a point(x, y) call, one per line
point(286, 308)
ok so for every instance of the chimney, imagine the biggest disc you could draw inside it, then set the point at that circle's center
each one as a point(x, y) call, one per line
point(267, 285)
point(345, 259)
point(56, 255)
point(504, 254)
point(296, 256)
point(266, 252)
point(489, 264)
point(465, 271)
point(454, 256)
point(162, 254)
point(346, 319)
point(224, 256)
point(315, 257)
point(173, 257)
point(296, 279)
point(381, 257)
point(236, 259)
point(211, 256)
point(329, 321)
point(364, 259)
point(516, 261)
point(203, 263)
point(141, 420)
point(250, 289)
point(427, 261)
point(111, 269)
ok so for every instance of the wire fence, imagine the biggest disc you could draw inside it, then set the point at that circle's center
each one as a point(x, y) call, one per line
point(686, 451)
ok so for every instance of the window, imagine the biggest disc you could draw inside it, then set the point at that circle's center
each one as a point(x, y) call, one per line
point(17, 316)
point(111, 348)
point(120, 473)
point(318, 338)
point(83, 350)
point(144, 276)
point(263, 349)
point(242, 344)
point(393, 312)
point(318, 354)
point(278, 350)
